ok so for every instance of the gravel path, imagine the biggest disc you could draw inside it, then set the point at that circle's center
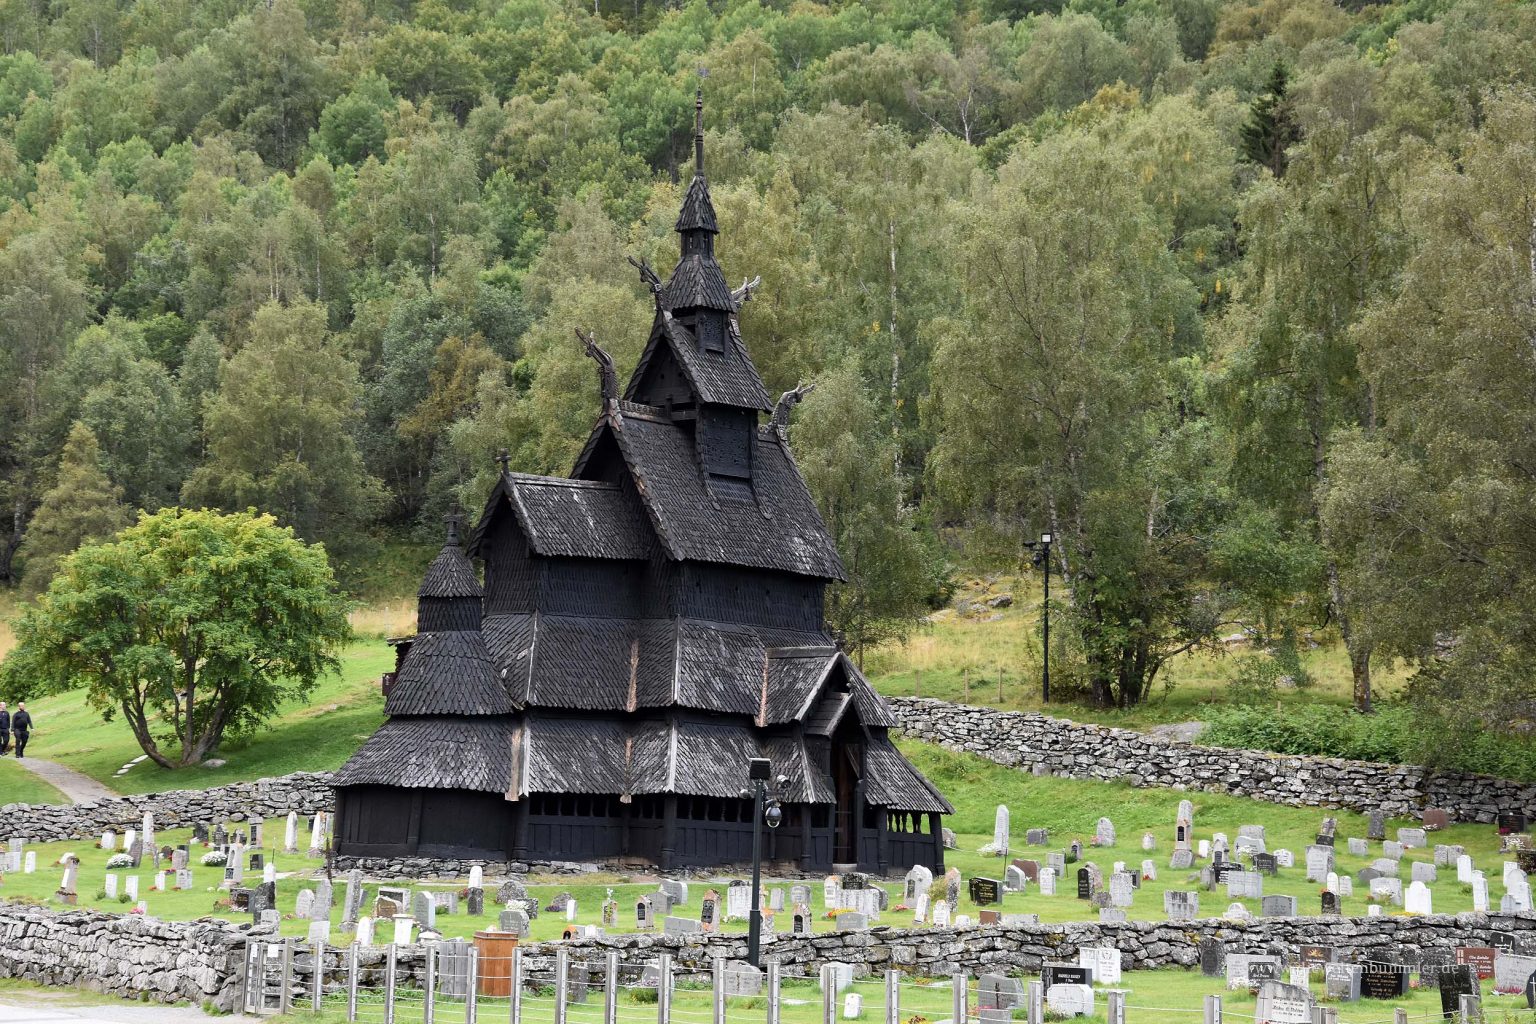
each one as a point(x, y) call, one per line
point(79, 788)
point(21, 1009)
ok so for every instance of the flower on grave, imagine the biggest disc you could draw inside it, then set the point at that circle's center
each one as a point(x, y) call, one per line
point(917, 1018)
point(214, 859)
point(119, 860)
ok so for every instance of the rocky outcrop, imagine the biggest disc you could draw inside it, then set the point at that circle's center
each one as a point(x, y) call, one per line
point(1055, 746)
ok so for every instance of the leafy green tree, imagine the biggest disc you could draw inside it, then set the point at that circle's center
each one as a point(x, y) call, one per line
point(1430, 514)
point(82, 506)
point(1057, 401)
point(1271, 127)
point(192, 625)
point(280, 430)
point(846, 452)
point(353, 127)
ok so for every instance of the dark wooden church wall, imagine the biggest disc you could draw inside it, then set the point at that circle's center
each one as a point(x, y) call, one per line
point(664, 383)
point(594, 587)
point(461, 823)
point(726, 438)
point(574, 826)
point(375, 821)
point(753, 596)
point(509, 579)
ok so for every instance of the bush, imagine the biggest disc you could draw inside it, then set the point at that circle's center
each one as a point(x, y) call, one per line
point(1392, 735)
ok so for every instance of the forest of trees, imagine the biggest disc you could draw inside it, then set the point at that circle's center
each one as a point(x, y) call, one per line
point(1237, 298)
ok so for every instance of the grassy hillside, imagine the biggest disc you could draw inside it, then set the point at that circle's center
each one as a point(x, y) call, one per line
point(19, 786)
point(980, 654)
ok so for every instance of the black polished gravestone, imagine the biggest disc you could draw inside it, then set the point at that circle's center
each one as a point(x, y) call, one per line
point(1530, 992)
point(1383, 981)
point(986, 891)
point(1084, 884)
point(1456, 981)
point(1064, 974)
point(1265, 864)
point(1330, 903)
point(1213, 958)
point(1262, 970)
point(1509, 824)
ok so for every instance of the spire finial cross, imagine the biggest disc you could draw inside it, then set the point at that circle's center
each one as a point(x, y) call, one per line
point(503, 458)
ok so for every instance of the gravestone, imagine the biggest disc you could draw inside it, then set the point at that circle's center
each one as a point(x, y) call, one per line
point(1181, 905)
point(1104, 961)
point(1417, 899)
point(1278, 906)
point(1148, 842)
point(742, 979)
point(1074, 852)
point(999, 992)
point(1412, 838)
point(709, 911)
point(1376, 826)
point(1280, 1003)
point(919, 880)
point(1434, 961)
point(1434, 819)
point(851, 921)
point(1148, 871)
point(1104, 832)
point(1383, 981)
point(1359, 847)
point(1030, 868)
point(1387, 890)
point(800, 919)
point(1057, 862)
point(1511, 972)
point(1386, 867)
point(1000, 830)
point(1084, 884)
point(1455, 982)
point(1285, 858)
point(941, 914)
point(423, 909)
point(1014, 878)
point(952, 888)
point(1510, 823)
point(1056, 973)
point(1111, 915)
point(1464, 869)
point(680, 926)
point(1213, 955)
point(1319, 863)
point(1392, 850)
point(986, 891)
point(1047, 882)
point(1181, 860)
point(1037, 837)
point(1245, 884)
point(1422, 872)
point(1265, 864)
point(1329, 903)
point(1070, 1000)
point(1121, 889)
point(1341, 982)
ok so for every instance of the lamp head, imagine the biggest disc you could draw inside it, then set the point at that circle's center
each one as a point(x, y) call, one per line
point(774, 815)
point(759, 769)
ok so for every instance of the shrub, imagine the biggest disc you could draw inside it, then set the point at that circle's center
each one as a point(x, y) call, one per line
point(1392, 735)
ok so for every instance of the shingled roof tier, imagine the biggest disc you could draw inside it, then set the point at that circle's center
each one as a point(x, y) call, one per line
point(717, 377)
point(569, 518)
point(435, 753)
point(448, 674)
point(780, 530)
point(450, 575)
point(606, 664)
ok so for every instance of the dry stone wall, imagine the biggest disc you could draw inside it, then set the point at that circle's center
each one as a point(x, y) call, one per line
point(1055, 746)
point(304, 792)
point(123, 954)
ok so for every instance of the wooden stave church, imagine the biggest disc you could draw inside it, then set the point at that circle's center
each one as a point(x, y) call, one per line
point(684, 543)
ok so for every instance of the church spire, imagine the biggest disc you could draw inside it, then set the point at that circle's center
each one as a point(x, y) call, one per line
point(697, 283)
point(698, 132)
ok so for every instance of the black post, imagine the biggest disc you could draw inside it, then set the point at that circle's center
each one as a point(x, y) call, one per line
point(1045, 687)
point(755, 918)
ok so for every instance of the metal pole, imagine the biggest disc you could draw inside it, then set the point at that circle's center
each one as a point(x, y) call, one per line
point(664, 989)
point(515, 1004)
point(1213, 1009)
point(389, 985)
point(1045, 685)
point(562, 982)
point(828, 995)
point(1035, 1012)
point(472, 999)
point(717, 988)
point(319, 977)
point(611, 990)
point(959, 1011)
point(773, 992)
point(429, 983)
point(892, 997)
point(352, 982)
point(1116, 1007)
point(755, 917)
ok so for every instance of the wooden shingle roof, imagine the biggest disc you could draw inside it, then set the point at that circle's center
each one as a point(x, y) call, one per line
point(435, 753)
point(448, 674)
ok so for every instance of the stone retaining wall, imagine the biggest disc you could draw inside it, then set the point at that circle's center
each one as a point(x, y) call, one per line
point(123, 954)
point(201, 961)
point(1055, 746)
point(935, 952)
point(304, 792)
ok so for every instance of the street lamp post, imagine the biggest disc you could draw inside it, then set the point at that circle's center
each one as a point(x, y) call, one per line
point(757, 772)
point(1042, 558)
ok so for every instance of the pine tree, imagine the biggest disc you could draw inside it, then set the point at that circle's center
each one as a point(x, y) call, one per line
point(83, 505)
point(1271, 127)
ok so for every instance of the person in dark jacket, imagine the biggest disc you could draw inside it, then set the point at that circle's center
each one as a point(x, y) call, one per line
point(5, 730)
point(21, 728)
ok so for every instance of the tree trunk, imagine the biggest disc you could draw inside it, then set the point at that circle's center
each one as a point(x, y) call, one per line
point(8, 549)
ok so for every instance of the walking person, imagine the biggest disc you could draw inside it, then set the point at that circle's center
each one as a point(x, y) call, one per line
point(21, 727)
point(5, 730)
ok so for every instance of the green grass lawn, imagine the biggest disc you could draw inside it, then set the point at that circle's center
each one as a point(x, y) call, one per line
point(1069, 808)
point(19, 786)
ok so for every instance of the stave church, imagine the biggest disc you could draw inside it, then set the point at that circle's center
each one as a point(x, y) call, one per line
point(645, 628)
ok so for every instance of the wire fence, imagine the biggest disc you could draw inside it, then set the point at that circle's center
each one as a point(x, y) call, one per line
point(458, 982)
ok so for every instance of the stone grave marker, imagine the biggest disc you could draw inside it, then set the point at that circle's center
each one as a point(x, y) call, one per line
point(423, 909)
point(1392, 850)
point(1031, 869)
point(1213, 953)
point(1070, 1000)
point(941, 914)
point(680, 926)
point(1412, 838)
point(919, 880)
point(800, 919)
point(1376, 826)
point(1047, 882)
point(364, 934)
point(1510, 823)
point(1434, 961)
point(1148, 871)
point(1084, 884)
point(1383, 981)
point(1319, 863)
point(999, 992)
point(1422, 872)
point(1014, 879)
point(1074, 852)
point(1341, 982)
point(709, 911)
point(1385, 867)
point(1111, 915)
point(1104, 832)
point(1511, 972)
point(1359, 847)
point(1181, 859)
point(1058, 973)
point(1388, 890)
point(985, 891)
point(1104, 961)
point(1285, 858)
point(1445, 855)
point(1278, 906)
point(1180, 905)
point(952, 888)
point(1329, 903)
point(1265, 864)
point(1280, 1003)
point(1245, 885)
point(1434, 819)
point(1037, 837)
point(1417, 899)
point(1000, 830)
point(742, 979)
point(1057, 862)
